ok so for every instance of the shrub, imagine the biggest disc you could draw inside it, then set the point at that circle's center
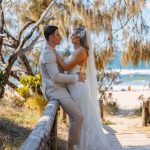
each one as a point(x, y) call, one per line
point(24, 91)
point(36, 102)
point(29, 82)
point(138, 111)
point(108, 122)
point(111, 107)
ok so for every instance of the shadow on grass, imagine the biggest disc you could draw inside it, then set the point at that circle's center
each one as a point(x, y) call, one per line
point(11, 134)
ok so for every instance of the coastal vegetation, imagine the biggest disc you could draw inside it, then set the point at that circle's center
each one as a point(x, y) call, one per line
point(114, 25)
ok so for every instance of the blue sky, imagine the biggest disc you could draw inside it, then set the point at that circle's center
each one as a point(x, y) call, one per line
point(146, 15)
point(146, 12)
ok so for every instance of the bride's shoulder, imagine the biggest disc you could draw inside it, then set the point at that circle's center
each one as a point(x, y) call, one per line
point(83, 51)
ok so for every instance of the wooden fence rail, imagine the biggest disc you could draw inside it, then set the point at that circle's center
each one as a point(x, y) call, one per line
point(44, 135)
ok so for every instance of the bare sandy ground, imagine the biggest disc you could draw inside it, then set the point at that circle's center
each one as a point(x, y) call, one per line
point(129, 99)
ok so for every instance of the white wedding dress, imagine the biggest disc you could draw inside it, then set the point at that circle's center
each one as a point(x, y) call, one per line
point(92, 136)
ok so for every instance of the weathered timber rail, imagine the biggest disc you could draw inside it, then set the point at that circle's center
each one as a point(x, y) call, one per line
point(44, 135)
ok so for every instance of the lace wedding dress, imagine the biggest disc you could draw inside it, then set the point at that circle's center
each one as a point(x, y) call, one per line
point(92, 136)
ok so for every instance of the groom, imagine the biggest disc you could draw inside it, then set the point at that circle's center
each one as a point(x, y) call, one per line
point(53, 84)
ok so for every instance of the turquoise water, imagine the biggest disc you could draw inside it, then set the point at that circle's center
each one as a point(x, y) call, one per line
point(137, 77)
point(116, 64)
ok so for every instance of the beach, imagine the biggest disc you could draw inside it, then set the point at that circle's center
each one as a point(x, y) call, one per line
point(129, 99)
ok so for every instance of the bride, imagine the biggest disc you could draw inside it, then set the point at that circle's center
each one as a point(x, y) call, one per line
point(85, 93)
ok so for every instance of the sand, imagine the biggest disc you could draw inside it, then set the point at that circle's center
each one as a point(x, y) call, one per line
point(129, 99)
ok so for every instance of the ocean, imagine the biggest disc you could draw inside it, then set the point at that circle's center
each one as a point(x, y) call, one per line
point(135, 78)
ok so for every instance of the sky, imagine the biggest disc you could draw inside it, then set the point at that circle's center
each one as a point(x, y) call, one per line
point(146, 12)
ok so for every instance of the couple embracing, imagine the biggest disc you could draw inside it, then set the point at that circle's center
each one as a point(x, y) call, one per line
point(75, 93)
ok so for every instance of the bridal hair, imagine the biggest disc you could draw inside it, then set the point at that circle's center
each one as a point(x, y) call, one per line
point(49, 30)
point(81, 33)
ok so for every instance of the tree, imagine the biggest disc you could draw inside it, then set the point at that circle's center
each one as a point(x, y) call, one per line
point(99, 17)
point(20, 45)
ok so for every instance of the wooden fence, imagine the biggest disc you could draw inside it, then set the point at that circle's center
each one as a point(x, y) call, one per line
point(145, 113)
point(44, 135)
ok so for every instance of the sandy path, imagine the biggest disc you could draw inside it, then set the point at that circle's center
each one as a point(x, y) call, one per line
point(128, 99)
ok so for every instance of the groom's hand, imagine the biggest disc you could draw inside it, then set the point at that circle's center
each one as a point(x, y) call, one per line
point(81, 76)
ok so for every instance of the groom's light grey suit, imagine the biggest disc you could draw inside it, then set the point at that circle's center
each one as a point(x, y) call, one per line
point(54, 88)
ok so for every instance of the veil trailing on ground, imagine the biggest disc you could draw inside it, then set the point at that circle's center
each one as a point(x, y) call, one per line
point(85, 94)
point(92, 76)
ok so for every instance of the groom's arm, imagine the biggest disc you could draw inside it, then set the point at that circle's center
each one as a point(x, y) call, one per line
point(50, 63)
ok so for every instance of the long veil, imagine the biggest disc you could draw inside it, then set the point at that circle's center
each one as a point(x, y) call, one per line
point(92, 76)
point(92, 135)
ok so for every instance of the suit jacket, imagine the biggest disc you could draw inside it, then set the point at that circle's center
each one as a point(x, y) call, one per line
point(53, 82)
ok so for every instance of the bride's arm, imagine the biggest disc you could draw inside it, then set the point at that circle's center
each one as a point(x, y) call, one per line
point(76, 59)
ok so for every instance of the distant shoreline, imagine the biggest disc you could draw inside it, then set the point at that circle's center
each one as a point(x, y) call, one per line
point(130, 71)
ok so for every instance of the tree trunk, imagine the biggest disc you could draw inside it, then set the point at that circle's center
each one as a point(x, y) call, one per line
point(19, 51)
point(12, 85)
point(26, 64)
point(101, 108)
point(1, 31)
point(6, 76)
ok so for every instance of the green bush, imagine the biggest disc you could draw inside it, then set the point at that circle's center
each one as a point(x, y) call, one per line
point(36, 102)
point(29, 83)
point(24, 91)
point(110, 108)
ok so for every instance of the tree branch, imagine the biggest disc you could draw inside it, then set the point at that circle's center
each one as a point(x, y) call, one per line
point(1, 31)
point(12, 85)
point(13, 74)
point(10, 36)
point(24, 28)
point(122, 26)
point(26, 64)
point(20, 50)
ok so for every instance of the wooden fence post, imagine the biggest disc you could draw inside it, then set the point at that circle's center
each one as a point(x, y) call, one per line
point(53, 135)
point(101, 108)
point(145, 113)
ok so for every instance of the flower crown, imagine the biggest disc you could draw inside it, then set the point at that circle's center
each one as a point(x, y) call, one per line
point(81, 34)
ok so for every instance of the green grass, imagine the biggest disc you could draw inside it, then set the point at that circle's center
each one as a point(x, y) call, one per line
point(15, 125)
point(110, 109)
point(138, 111)
point(108, 122)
